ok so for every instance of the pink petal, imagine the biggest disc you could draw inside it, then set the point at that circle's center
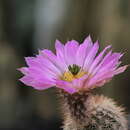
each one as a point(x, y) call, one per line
point(60, 53)
point(26, 80)
point(100, 77)
point(116, 56)
point(88, 41)
point(120, 69)
point(80, 82)
point(70, 52)
point(110, 62)
point(24, 70)
point(49, 55)
point(37, 72)
point(90, 57)
point(46, 63)
point(108, 66)
point(67, 86)
point(102, 82)
point(37, 84)
point(109, 58)
point(83, 51)
point(30, 61)
point(98, 59)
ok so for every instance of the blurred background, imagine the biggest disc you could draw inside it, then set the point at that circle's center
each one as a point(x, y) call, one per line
point(29, 25)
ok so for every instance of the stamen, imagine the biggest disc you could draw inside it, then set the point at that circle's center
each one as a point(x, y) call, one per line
point(73, 73)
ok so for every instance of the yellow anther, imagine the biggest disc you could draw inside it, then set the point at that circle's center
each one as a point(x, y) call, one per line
point(68, 76)
point(80, 74)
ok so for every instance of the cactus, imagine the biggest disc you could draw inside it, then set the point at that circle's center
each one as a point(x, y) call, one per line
point(86, 111)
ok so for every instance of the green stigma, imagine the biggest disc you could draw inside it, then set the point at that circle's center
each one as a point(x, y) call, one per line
point(74, 69)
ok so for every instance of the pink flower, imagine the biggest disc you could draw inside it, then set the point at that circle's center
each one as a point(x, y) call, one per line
point(73, 68)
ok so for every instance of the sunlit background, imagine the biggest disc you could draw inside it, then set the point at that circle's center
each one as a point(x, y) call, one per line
point(29, 25)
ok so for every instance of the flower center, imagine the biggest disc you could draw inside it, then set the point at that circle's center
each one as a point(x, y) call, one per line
point(73, 73)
